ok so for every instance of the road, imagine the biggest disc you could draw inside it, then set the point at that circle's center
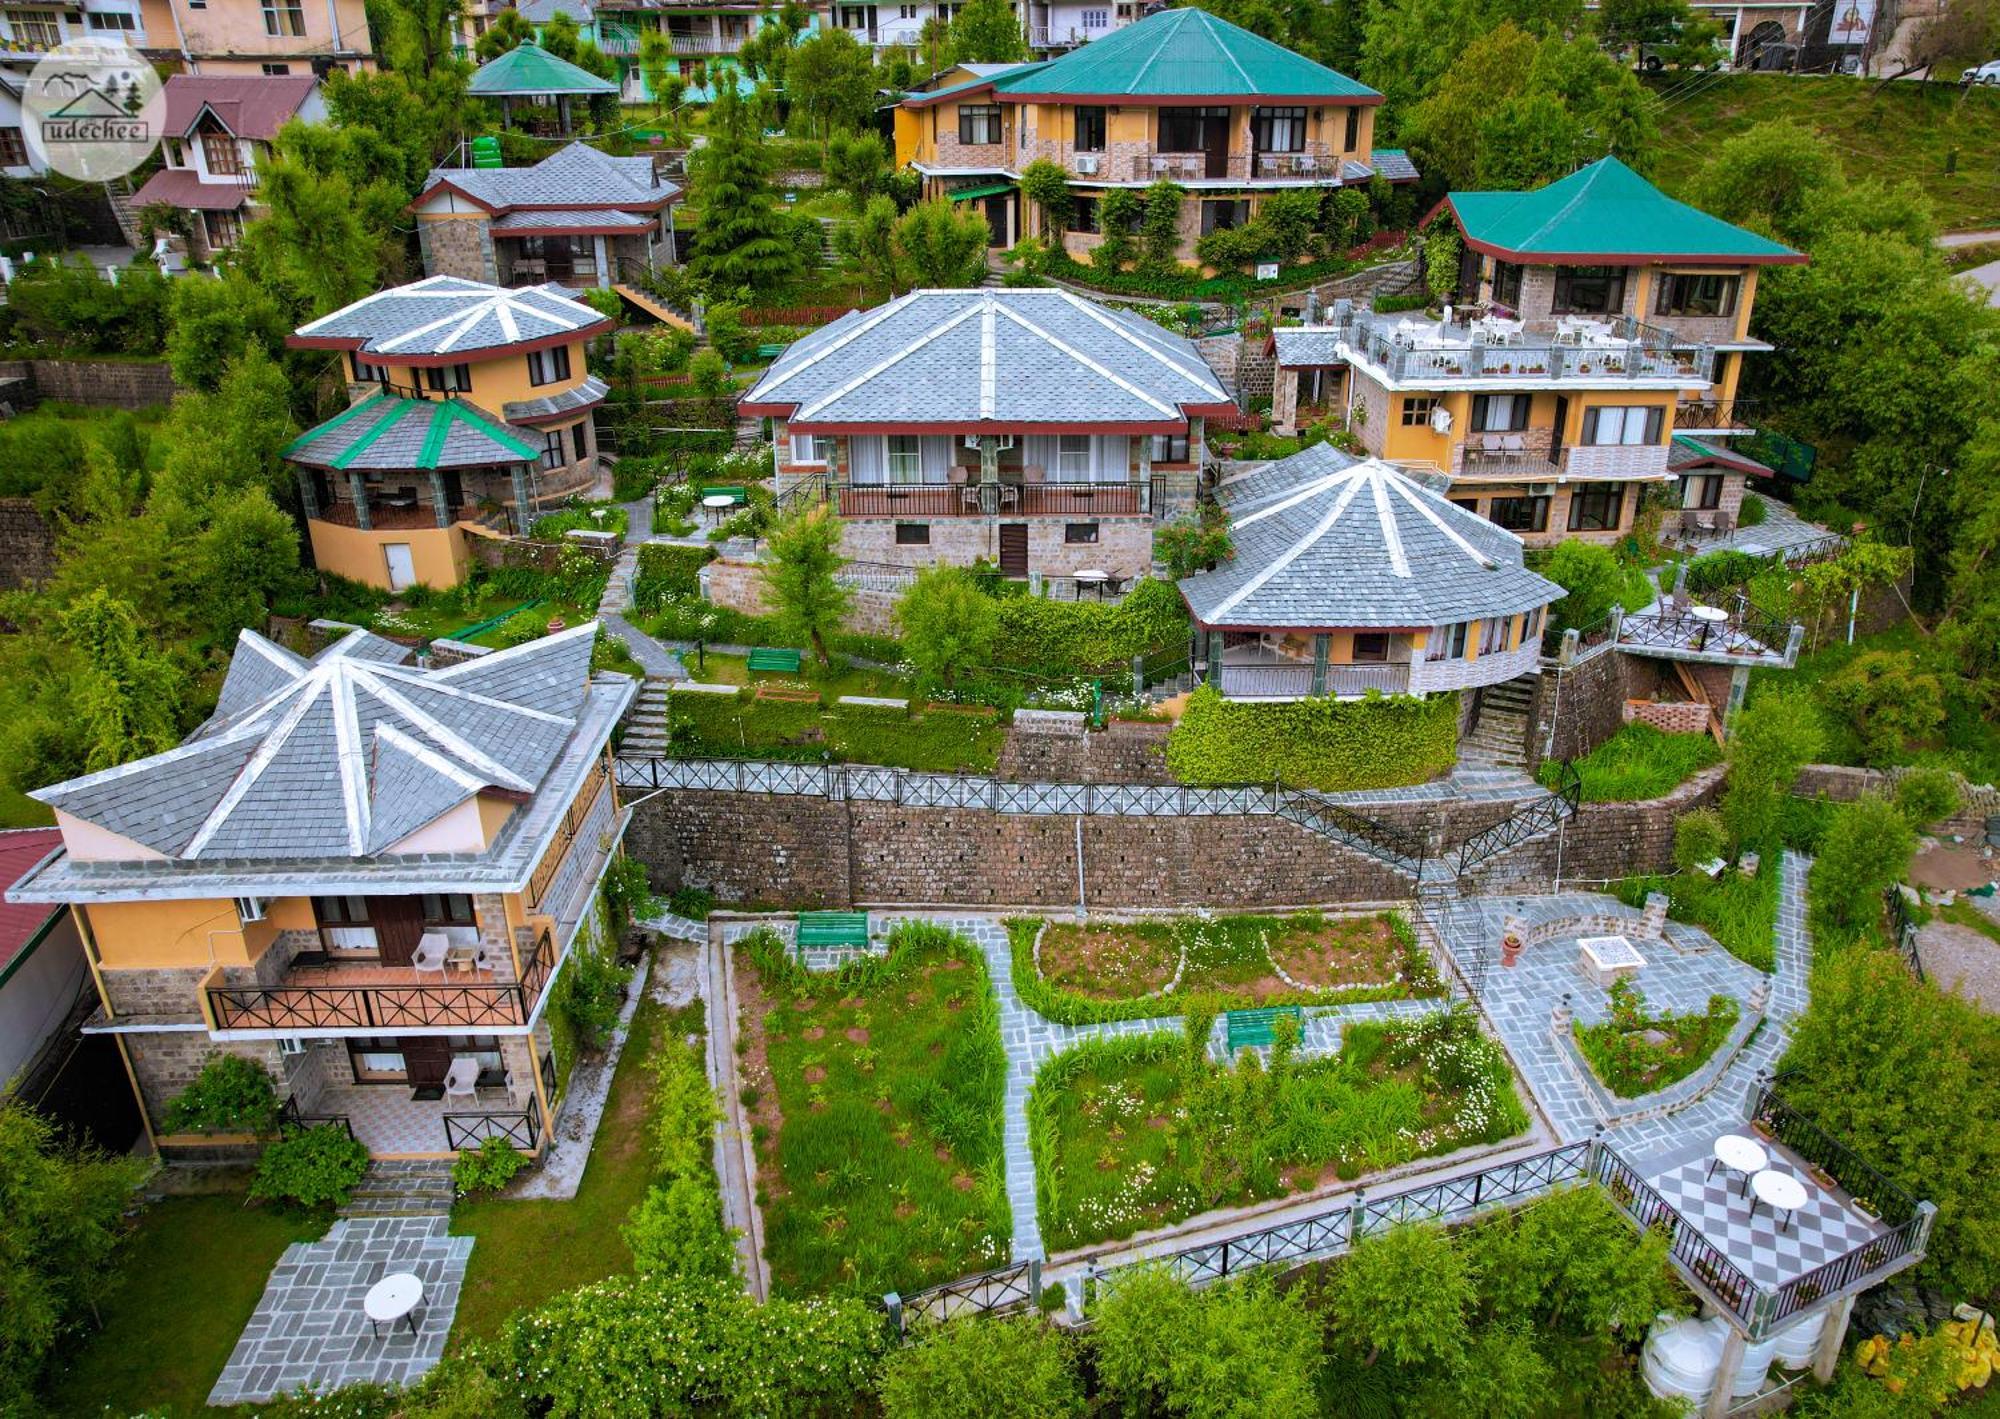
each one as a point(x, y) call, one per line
point(1987, 275)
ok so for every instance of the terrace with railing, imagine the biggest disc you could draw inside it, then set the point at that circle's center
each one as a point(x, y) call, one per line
point(1586, 349)
point(1737, 635)
point(974, 499)
point(323, 996)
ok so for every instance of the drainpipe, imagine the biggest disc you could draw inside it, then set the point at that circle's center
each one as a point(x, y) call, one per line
point(1080, 912)
point(333, 23)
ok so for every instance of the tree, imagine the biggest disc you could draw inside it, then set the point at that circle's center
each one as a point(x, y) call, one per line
point(510, 30)
point(1118, 212)
point(1404, 1296)
point(1763, 177)
point(948, 624)
point(1160, 228)
point(227, 441)
point(987, 32)
point(858, 164)
point(743, 240)
point(422, 34)
point(1328, 31)
point(1666, 30)
point(214, 322)
point(1046, 184)
point(126, 695)
point(939, 243)
point(660, 73)
point(831, 82)
point(869, 244)
point(1866, 850)
point(1773, 738)
point(1165, 1348)
point(1887, 702)
point(245, 559)
point(63, 1209)
point(1593, 580)
point(800, 576)
point(1016, 1367)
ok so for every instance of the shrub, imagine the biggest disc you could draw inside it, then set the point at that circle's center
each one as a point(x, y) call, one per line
point(1013, 1366)
point(666, 570)
point(1886, 701)
point(1595, 582)
point(1699, 837)
point(1160, 227)
point(948, 625)
point(1718, 571)
point(487, 1168)
point(684, 1112)
point(314, 1167)
point(1927, 795)
point(677, 1231)
point(1165, 1348)
point(627, 895)
point(1063, 638)
point(1119, 210)
point(694, 903)
point(230, 1095)
point(1773, 738)
point(1328, 744)
point(1193, 544)
point(1631, 1065)
point(1638, 762)
point(591, 991)
point(1867, 850)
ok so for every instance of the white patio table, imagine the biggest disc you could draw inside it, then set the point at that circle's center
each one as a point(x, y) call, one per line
point(395, 1297)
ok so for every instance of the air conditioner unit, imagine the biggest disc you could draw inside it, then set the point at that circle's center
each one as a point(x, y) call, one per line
point(1541, 490)
point(1086, 164)
point(249, 909)
point(1440, 420)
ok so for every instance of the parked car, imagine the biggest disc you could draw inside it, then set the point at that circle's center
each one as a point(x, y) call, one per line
point(1987, 73)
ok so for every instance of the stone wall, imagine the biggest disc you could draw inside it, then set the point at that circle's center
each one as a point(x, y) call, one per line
point(27, 544)
point(113, 384)
point(739, 586)
point(499, 552)
point(1124, 545)
point(1605, 841)
point(1578, 707)
point(166, 1063)
point(1669, 716)
point(1843, 783)
point(459, 246)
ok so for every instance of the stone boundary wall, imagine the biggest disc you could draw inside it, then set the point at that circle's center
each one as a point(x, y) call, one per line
point(27, 544)
point(115, 384)
point(739, 586)
point(1582, 703)
point(1844, 783)
point(1669, 716)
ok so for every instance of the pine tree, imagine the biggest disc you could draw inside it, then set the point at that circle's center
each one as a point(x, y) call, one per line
point(744, 240)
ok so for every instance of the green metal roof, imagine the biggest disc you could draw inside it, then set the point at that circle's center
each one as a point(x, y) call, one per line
point(1606, 213)
point(991, 189)
point(527, 68)
point(1175, 54)
point(387, 433)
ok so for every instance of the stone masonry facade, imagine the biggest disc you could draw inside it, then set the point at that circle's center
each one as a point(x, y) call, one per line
point(27, 544)
point(461, 247)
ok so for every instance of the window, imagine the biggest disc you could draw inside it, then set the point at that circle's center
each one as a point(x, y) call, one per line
point(1279, 130)
point(284, 17)
point(1083, 214)
point(906, 459)
point(37, 30)
point(1507, 284)
point(366, 373)
point(447, 909)
point(276, 70)
point(1225, 215)
point(1697, 295)
point(220, 152)
point(1170, 448)
point(913, 534)
point(1595, 507)
point(979, 123)
point(552, 449)
point(1521, 513)
point(548, 366)
point(112, 21)
point(1097, 19)
point(381, 1063)
point(1352, 139)
point(1702, 492)
point(1090, 128)
point(1371, 645)
point(13, 148)
point(448, 379)
point(1626, 424)
point(1072, 458)
point(906, 12)
point(1500, 413)
point(1446, 642)
point(1493, 634)
point(806, 449)
point(1469, 504)
point(224, 228)
point(1184, 130)
point(341, 911)
point(1589, 290)
point(1417, 409)
point(1079, 533)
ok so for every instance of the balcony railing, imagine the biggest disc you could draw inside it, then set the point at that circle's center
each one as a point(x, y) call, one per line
point(1609, 348)
point(1313, 160)
point(1295, 682)
point(1716, 415)
point(441, 1004)
point(996, 499)
point(1529, 451)
point(470, 1130)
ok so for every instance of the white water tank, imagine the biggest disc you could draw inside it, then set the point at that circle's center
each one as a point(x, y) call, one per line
point(1749, 1377)
point(1681, 1358)
point(1797, 1342)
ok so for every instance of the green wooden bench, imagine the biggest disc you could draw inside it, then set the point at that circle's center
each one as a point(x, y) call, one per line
point(1255, 1029)
point(735, 492)
point(774, 658)
point(833, 929)
point(770, 352)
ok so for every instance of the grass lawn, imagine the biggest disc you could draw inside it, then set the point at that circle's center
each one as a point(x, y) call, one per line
point(1122, 1142)
point(1122, 970)
point(193, 1271)
point(1906, 128)
point(875, 1100)
point(834, 681)
point(937, 739)
point(17, 810)
point(1738, 911)
point(529, 1251)
point(1639, 762)
point(1634, 1053)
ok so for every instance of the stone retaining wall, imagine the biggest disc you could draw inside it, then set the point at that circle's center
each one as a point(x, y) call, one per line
point(115, 384)
point(27, 544)
point(1844, 783)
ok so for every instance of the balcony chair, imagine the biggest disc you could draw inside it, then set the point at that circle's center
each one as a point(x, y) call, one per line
point(461, 1081)
point(430, 952)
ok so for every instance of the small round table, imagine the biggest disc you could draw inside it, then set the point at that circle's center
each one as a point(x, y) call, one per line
point(395, 1297)
point(1092, 578)
point(1710, 618)
point(1738, 1154)
point(1781, 1192)
point(715, 504)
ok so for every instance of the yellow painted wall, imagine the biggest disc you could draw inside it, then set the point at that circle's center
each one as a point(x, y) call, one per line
point(494, 812)
point(438, 553)
point(1129, 125)
point(505, 381)
point(1746, 298)
point(1420, 442)
point(912, 134)
point(170, 933)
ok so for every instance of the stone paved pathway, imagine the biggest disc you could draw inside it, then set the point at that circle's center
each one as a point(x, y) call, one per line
point(654, 658)
point(308, 1330)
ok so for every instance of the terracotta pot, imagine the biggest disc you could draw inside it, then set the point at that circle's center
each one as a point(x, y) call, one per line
point(556, 623)
point(1510, 950)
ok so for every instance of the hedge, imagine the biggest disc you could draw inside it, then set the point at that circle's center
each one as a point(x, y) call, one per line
point(667, 570)
point(1065, 638)
point(1377, 742)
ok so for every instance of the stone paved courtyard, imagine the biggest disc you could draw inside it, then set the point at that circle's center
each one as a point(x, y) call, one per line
point(308, 1329)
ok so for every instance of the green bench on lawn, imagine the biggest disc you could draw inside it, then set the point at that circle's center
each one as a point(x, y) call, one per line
point(1253, 1029)
point(833, 929)
point(770, 352)
point(775, 659)
point(735, 492)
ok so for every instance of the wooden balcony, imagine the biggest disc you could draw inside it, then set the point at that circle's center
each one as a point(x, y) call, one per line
point(1003, 499)
point(373, 997)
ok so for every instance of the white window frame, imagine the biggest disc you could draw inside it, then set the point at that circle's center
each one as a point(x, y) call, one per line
point(1624, 425)
point(284, 19)
point(1067, 470)
point(905, 464)
point(806, 450)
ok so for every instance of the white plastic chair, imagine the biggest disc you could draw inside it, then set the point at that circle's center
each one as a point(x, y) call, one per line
point(430, 952)
point(461, 1081)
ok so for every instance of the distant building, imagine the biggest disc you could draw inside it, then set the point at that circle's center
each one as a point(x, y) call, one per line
point(217, 138)
point(255, 36)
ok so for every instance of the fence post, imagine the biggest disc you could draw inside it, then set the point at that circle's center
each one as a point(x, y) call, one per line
point(893, 1304)
point(1357, 1216)
point(1138, 675)
point(1035, 1282)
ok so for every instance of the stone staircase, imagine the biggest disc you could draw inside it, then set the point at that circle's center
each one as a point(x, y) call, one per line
point(1499, 735)
point(646, 729)
point(402, 1188)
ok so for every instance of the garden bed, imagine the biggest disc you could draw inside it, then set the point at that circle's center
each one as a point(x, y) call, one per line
point(1634, 1053)
point(742, 726)
point(1080, 973)
point(1739, 911)
point(1144, 1132)
point(875, 1098)
point(1638, 762)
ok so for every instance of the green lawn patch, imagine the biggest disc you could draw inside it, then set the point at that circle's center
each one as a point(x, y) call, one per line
point(936, 738)
point(830, 682)
point(1089, 972)
point(876, 1099)
point(1635, 1053)
point(579, 517)
point(1639, 762)
point(1738, 911)
point(1135, 1133)
point(529, 1250)
point(193, 1272)
point(1328, 744)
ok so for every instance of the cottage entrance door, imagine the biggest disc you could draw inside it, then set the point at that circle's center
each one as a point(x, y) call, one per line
point(1014, 550)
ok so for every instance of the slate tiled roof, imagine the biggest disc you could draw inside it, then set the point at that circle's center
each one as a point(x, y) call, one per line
point(540, 12)
point(1325, 541)
point(251, 106)
point(529, 69)
point(388, 434)
point(584, 396)
point(995, 358)
point(183, 188)
point(1685, 454)
point(576, 175)
point(541, 220)
point(1185, 53)
point(1300, 347)
point(348, 754)
point(448, 315)
point(1606, 212)
point(1393, 164)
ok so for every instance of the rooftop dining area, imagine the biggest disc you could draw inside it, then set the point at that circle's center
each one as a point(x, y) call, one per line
point(1471, 343)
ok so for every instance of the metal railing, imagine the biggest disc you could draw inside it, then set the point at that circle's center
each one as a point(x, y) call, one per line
point(1746, 632)
point(372, 1007)
point(1397, 847)
point(470, 1130)
point(1902, 930)
point(1407, 347)
point(1693, 415)
point(1531, 820)
point(1698, 1257)
point(973, 499)
point(1253, 682)
point(1008, 1288)
point(290, 1116)
point(1846, 1273)
point(1799, 1132)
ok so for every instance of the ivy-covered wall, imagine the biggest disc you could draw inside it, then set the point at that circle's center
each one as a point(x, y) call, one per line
point(1322, 743)
point(1046, 637)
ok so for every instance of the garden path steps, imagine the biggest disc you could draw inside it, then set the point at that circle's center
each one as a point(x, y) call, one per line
point(1499, 735)
point(418, 1187)
point(656, 660)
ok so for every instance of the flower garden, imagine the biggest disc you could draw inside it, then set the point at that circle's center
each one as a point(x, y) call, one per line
point(1078, 973)
point(874, 1096)
point(1145, 1131)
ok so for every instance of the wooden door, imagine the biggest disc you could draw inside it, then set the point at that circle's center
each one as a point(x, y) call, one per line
point(398, 922)
point(1014, 550)
point(426, 1058)
point(1215, 142)
point(1556, 438)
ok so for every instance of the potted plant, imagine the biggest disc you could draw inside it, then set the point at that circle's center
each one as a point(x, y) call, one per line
point(1763, 1130)
point(1820, 1176)
point(1867, 1206)
point(1510, 948)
